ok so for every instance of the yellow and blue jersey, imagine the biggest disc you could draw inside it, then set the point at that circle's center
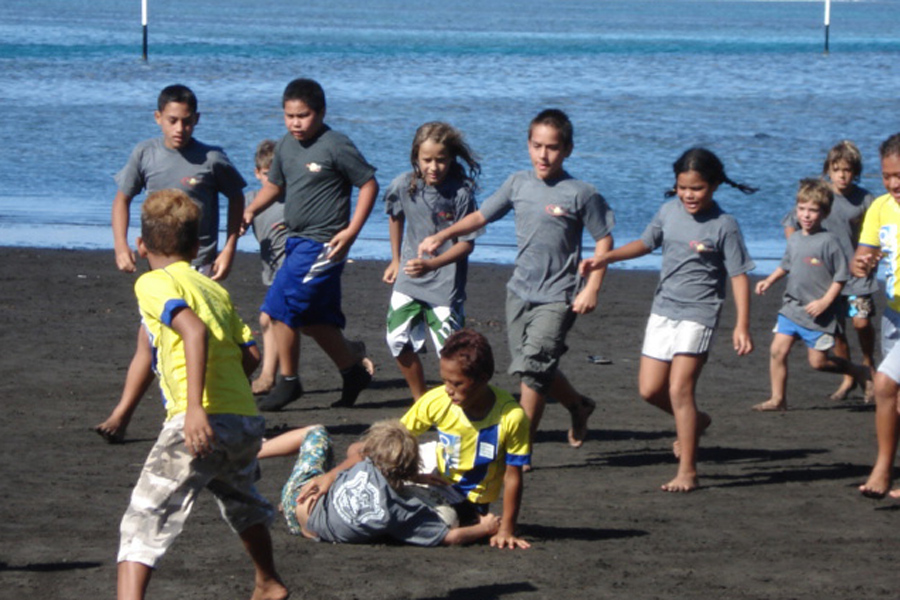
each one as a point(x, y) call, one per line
point(881, 229)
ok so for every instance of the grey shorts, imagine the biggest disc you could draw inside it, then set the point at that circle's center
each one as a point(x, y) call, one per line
point(171, 479)
point(890, 349)
point(537, 339)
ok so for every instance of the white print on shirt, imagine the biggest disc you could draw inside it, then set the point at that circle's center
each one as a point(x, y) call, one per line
point(358, 501)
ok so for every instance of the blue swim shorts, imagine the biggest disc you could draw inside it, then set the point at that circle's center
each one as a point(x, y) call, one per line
point(817, 340)
point(307, 287)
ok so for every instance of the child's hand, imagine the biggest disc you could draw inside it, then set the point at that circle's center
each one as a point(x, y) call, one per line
point(589, 265)
point(390, 274)
point(221, 267)
point(762, 286)
point(863, 264)
point(743, 343)
point(816, 307)
point(505, 539)
point(340, 245)
point(585, 302)
point(417, 267)
point(198, 435)
point(490, 522)
point(246, 221)
point(429, 246)
point(125, 260)
point(315, 488)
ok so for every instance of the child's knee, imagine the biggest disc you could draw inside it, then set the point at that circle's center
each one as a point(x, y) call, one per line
point(817, 360)
point(885, 389)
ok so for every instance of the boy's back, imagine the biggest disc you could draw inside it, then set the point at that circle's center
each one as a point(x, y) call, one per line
point(160, 293)
point(317, 178)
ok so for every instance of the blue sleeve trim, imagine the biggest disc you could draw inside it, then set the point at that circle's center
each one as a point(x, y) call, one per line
point(248, 344)
point(868, 245)
point(518, 460)
point(169, 310)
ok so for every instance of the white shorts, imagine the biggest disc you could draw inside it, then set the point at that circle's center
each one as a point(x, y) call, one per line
point(409, 321)
point(664, 338)
point(890, 349)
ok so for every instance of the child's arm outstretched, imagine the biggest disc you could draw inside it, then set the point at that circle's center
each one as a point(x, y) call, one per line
point(395, 228)
point(766, 283)
point(264, 197)
point(198, 435)
point(487, 525)
point(629, 251)
point(512, 501)
point(740, 289)
point(468, 224)
point(865, 259)
point(343, 239)
point(817, 307)
point(586, 300)
point(416, 267)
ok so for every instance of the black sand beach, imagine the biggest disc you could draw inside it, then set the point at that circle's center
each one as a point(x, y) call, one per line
point(778, 515)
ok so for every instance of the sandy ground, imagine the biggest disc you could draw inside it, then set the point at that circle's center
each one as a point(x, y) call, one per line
point(778, 515)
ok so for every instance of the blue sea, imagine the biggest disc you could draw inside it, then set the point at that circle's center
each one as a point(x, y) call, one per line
point(641, 79)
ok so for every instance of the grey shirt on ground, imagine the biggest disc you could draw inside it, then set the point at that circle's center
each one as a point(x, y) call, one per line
point(201, 171)
point(318, 179)
point(550, 219)
point(271, 233)
point(813, 263)
point(429, 210)
point(361, 507)
point(845, 221)
point(699, 253)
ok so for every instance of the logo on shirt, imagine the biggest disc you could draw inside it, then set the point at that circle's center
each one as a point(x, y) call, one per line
point(314, 167)
point(554, 210)
point(358, 500)
point(451, 448)
point(190, 181)
point(444, 215)
point(813, 261)
point(701, 247)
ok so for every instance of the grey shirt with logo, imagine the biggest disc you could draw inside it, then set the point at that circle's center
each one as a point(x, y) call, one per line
point(362, 507)
point(426, 211)
point(845, 221)
point(201, 171)
point(551, 216)
point(813, 263)
point(318, 177)
point(700, 252)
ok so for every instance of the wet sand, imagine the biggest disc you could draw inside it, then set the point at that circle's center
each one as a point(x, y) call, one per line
point(778, 515)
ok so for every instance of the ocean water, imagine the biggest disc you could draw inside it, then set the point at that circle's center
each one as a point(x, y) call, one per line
point(642, 81)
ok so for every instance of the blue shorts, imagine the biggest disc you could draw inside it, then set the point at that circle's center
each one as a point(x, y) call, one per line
point(817, 340)
point(307, 287)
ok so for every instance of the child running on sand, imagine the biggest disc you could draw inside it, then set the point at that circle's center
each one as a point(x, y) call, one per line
point(365, 498)
point(483, 434)
point(701, 246)
point(880, 238)
point(428, 293)
point(552, 209)
point(817, 269)
point(315, 168)
point(843, 167)
point(174, 161)
point(213, 431)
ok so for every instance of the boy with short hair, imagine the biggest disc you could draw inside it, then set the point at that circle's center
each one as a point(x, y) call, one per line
point(816, 267)
point(365, 498)
point(315, 168)
point(174, 161)
point(552, 210)
point(483, 434)
point(213, 431)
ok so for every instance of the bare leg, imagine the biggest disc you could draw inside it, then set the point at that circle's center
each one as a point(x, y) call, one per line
point(331, 340)
point(683, 376)
point(841, 350)
point(133, 578)
point(880, 478)
point(266, 379)
point(778, 373)
point(258, 544)
point(866, 334)
point(411, 366)
point(533, 403)
point(286, 444)
point(137, 381)
point(580, 407)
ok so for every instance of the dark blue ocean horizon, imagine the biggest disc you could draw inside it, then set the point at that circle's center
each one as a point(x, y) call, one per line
point(641, 80)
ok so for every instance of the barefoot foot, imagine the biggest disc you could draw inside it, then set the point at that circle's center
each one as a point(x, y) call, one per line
point(112, 430)
point(840, 394)
point(270, 590)
point(681, 483)
point(876, 486)
point(262, 385)
point(773, 405)
point(580, 415)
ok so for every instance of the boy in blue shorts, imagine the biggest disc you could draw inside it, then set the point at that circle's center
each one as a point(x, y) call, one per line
point(552, 210)
point(816, 267)
point(174, 161)
point(315, 168)
point(213, 431)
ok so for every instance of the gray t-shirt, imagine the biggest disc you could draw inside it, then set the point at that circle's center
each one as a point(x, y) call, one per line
point(318, 178)
point(845, 221)
point(361, 507)
point(201, 171)
point(550, 219)
point(271, 233)
point(813, 263)
point(429, 210)
point(699, 253)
